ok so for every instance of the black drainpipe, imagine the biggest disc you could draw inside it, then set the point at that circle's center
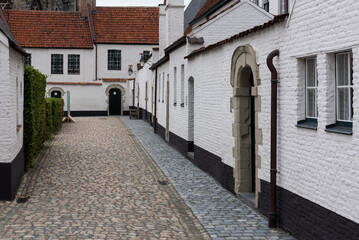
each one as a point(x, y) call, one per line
point(273, 154)
point(155, 118)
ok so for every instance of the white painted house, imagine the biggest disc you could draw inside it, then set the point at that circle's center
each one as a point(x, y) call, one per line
point(88, 53)
point(11, 113)
point(213, 103)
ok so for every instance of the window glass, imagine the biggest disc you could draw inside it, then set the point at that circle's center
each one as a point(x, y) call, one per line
point(27, 60)
point(344, 87)
point(311, 88)
point(114, 60)
point(266, 5)
point(57, 61)
point(74, 64)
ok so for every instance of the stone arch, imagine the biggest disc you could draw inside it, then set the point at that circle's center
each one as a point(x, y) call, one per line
point(246, 104)
point(56, 89)
point(123, 93)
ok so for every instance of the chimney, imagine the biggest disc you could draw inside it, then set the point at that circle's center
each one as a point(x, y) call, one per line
point(174, 20)
point(162, 30)
point(83, 7)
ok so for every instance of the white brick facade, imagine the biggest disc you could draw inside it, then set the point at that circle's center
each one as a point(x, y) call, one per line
point(314, 164)
point(11, 101)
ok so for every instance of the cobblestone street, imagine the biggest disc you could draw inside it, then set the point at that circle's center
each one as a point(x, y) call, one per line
point(97, 181)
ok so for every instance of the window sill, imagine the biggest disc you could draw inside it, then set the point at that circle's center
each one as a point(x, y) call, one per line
point(307, 124)
point(73, 73)
point(334, 128)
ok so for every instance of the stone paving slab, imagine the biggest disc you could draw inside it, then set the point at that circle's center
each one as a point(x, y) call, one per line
point(96, 181)
point(222, 214)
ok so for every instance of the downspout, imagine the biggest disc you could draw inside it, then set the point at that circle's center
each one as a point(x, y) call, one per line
point(96, 62)
point(273, 155)
point(155, 117)
point(134, 92)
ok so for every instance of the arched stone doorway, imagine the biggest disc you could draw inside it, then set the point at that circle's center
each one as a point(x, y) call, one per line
point(56, 92)
point(246, 104)
point(115, 102)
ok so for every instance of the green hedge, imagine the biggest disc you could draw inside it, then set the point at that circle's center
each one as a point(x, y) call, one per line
point(41, 116)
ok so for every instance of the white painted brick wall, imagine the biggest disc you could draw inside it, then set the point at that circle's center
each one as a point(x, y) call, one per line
point(319, 166)
point(11, 70)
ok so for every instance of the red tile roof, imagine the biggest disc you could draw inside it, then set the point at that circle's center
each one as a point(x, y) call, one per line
point(49, 29)
point(126, 25)
point(75, 83)
point(114, 79)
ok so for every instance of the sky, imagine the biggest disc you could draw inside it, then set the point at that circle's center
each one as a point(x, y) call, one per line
point(132, 2)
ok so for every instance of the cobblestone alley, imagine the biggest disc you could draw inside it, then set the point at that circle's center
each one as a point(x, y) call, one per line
point(96, 180)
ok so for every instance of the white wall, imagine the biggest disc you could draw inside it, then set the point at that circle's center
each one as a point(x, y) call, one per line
point(41, 60)
point(11, 101)
point(319, 166)
point(130, 55)
point(239, 18)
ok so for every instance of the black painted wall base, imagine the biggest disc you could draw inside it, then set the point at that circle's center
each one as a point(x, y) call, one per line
point(304, 219)
point(182, 145)
point(86, 113)
point(213, 165)
point(146, 116)
point(161, 131)
point(10, 176)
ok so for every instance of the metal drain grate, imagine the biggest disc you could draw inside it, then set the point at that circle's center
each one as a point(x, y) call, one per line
point(22, 199)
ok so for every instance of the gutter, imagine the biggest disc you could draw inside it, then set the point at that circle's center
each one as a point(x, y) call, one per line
point(273, 155)
point(155, 117)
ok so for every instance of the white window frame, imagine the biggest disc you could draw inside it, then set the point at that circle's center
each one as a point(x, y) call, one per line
point(349, 86)
point(311, 88)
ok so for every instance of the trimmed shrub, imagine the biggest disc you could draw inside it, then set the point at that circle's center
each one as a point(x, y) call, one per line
point(41, 116)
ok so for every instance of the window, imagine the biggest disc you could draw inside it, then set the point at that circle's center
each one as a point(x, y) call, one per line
point(311, 89)
point(175, 86)
point(283, 6)
point(159, 87)
point(266, 5)
point(57, 62)
point(73, 64)
point(163, 88)
point(344, 87)
point(182, 85)
point(146, 55)
point(27, 60)
point(114, 60)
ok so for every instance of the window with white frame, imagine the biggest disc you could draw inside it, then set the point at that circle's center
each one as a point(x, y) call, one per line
point(344, 87)
point(159, 87)
point(175, 86)
point(27, 60)
point(311, 88)
point(182, 85)
point(57, 63)
point(163, 87)
point(283, 6)
point(73, 64)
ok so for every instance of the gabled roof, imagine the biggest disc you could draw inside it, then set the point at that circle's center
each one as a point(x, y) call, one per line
point(5, 30)
point(49, 29)
point(208, 7)
point(275, 20)
point(127, 25)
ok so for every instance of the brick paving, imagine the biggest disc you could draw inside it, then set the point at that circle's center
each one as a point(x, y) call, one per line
point(222, 214)
point(96, 181)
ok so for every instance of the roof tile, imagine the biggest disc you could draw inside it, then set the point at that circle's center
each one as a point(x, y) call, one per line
point(126, 25)
point(49, 29)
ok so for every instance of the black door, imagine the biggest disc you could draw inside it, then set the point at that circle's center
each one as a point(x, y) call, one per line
point(115, 102)
point(55, 94)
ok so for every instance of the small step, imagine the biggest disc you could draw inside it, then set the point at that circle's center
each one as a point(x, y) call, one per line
point(248, 197)
point(190, 155)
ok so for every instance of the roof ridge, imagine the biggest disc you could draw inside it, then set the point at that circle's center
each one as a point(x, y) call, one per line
point(38, 11)
point(126, 7)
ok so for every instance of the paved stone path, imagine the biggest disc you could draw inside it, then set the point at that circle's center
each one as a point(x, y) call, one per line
point(222, 214)
point(95, 181)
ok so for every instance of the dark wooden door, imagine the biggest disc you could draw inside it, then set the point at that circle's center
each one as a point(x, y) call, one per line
point(55, 94)
point(115, 102)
